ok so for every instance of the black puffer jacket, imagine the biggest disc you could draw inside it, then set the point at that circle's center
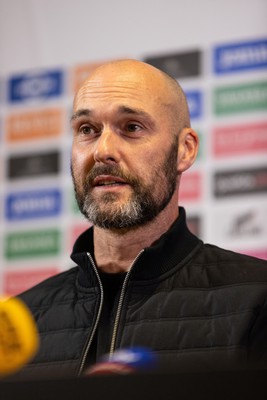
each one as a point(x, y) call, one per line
point(196, 305)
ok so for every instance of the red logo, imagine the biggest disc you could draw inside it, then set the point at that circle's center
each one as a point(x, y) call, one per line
point(240, 139)
point(190, 187)
point(16, 282)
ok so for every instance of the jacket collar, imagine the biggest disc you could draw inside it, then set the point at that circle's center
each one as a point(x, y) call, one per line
point(172, 249)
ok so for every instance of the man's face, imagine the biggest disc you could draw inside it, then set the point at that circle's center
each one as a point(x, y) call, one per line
point(124, 155)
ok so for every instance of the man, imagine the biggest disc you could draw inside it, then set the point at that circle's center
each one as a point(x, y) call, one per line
point(142, 279)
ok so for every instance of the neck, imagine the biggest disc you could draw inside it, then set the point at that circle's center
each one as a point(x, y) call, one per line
point(115, 250)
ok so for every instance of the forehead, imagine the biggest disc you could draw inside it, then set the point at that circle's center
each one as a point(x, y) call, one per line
point(132, 88)
point(94, 91)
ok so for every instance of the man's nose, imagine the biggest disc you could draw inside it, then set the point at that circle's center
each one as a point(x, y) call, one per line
point(107, 147)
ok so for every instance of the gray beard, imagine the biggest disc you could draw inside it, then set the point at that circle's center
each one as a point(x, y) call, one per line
point(120, 217)
point(142, 207)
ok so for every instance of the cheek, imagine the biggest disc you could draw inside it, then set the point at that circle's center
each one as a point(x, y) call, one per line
point(146, 170)
point(81, 162)
point(153, 161)
point(164, 158)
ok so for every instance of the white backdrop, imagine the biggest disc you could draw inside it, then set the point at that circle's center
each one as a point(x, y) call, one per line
point(37, 36)
point(41, 33)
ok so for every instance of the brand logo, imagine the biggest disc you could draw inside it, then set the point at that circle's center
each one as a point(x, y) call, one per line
point(235, 182)
point(34, 125)
point(194, 100)
point(240, 98)
point(16, 282)
point(28, 244)
point(178, 65)
point(240, 56)
point(240, 223)
point(191, 186)
point(36, 85)
point(245, 223)
point(32, 165)
point(33, 204)
point(240, 139)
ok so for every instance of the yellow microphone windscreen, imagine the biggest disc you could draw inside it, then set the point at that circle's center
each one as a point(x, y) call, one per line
point(18, 336)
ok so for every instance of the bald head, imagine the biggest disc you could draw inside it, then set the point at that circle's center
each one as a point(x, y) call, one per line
point(161, 87)
point(131, 143)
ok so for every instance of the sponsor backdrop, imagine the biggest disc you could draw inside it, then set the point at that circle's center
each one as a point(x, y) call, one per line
point(225, 193)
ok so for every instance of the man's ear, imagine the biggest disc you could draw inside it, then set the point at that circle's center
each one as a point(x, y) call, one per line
point(187, 149)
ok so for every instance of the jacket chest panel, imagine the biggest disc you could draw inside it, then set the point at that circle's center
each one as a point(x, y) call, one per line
point(191, 318)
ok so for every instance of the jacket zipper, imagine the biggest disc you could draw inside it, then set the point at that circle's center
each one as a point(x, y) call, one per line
point(121, 299)
point(116, 323)
point(97, 318)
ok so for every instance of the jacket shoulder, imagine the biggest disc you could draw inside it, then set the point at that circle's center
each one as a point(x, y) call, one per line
point(58, 288)
point(223, 266)
point(223, 256)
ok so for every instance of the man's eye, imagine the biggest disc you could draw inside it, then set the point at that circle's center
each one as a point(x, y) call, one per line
point(87, 130)
point(133, 127)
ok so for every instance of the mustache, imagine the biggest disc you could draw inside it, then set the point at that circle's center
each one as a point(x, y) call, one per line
point(113, 170)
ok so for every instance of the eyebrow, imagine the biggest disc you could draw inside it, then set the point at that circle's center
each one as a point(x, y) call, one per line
point(85, 112)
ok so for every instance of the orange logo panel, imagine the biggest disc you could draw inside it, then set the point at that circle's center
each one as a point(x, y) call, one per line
point(30, 125)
